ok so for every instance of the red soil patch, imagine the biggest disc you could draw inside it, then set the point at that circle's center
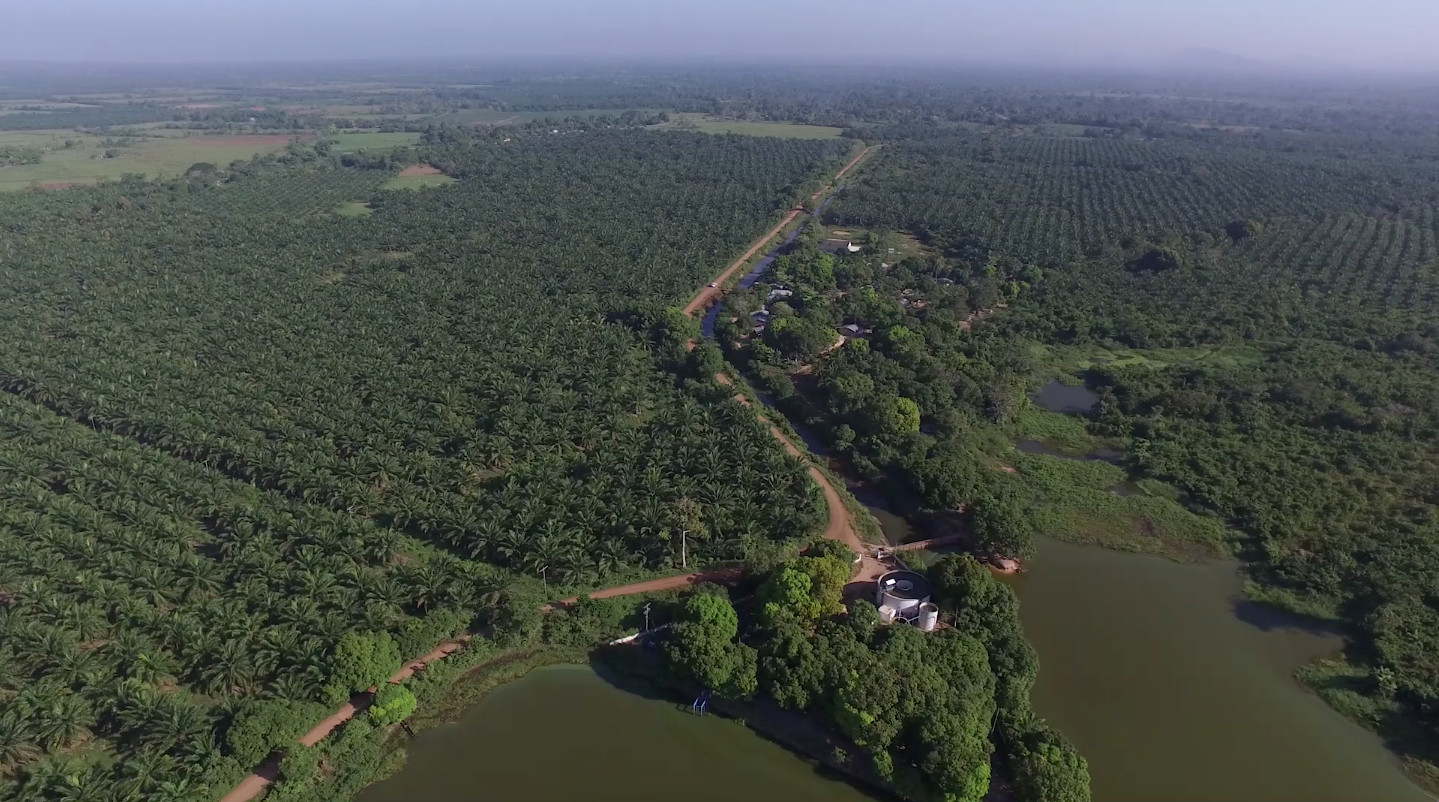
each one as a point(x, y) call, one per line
point(421, 169)
point(198, 106)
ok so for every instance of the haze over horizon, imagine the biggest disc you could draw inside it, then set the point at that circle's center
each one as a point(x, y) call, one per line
point(1385, 35)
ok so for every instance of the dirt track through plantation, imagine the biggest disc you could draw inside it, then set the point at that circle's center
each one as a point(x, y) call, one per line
point(840, 527)
point(709, 295)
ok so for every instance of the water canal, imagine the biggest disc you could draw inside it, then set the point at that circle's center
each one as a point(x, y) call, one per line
point(563, 734)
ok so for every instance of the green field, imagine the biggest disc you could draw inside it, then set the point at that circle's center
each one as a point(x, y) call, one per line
point(356, 209)
point(373, 140)
point(493, 117)
point(417, 181)
point(84, 162)
point(708, 125)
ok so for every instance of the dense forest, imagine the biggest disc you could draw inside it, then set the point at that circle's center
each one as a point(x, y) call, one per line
point(239, 426)
point(925, 709)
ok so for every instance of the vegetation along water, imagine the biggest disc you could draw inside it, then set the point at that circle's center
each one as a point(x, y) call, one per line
point(564, 733)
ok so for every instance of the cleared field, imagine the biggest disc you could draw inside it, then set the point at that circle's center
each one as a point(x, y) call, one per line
point(894, 245)
point(492, 117)
point(350, 143)
point(87, 162)
point(707, 125)
point(417, 181)
point(356, 209)
point(418, 176)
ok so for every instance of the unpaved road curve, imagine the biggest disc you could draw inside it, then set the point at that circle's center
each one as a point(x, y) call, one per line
point(841, 526)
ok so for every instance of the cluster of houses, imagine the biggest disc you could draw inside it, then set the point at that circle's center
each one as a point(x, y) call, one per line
point(778, 292)
point(760, 318)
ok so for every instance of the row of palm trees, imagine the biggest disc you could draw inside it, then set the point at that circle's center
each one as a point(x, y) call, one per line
point(236, 427)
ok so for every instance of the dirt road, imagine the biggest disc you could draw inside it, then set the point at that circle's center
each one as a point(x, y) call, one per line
point(708, 295)
point(841, 526)
point(663, 583)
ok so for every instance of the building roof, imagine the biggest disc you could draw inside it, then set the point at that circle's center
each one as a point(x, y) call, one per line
point(905, 585)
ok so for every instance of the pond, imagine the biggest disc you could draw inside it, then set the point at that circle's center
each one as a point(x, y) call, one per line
point(563, 734)
point(1104, 453)
point(1058, 397)
point(1176, 690)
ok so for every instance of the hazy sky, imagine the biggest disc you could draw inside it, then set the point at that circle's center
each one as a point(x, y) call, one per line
point(1386, 34)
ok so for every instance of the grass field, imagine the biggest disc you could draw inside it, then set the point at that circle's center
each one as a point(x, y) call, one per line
point(356, 209)
point(492, 117)
point(151, 157)
point(417, 181)
point(708, 125)
point(349, 143)
point(905, 245)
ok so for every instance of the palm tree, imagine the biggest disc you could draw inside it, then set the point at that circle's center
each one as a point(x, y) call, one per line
point(230, 670)
point(64, 722)
point(17, 745)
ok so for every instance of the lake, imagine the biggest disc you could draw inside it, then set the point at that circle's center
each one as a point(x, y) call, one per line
point(563, 734)
point(1175, 690)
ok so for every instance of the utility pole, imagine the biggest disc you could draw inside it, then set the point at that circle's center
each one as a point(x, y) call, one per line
point(647, 616)
point(684, 549)
point(543, 578)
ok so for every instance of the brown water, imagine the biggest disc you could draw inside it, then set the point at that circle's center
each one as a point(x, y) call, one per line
point(1177, 692)
point(563, 734)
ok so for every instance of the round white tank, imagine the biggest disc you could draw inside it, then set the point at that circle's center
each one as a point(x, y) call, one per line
point(886, 614)
point(928, 616)
point(905, 591)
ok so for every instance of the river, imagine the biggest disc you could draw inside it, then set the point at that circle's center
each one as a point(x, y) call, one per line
point(563, 734)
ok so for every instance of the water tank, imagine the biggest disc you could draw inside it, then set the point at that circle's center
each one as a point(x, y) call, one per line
point(928, 616)
point(905, 591)
point(886, 614)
